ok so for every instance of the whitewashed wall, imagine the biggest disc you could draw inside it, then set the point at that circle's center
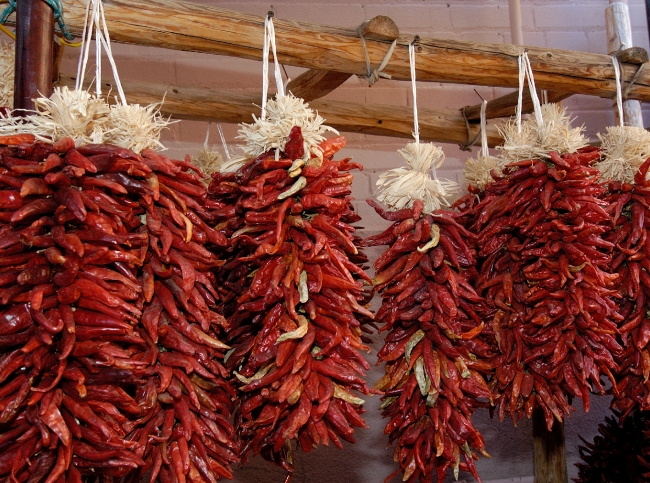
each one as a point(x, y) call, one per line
point(569, 24)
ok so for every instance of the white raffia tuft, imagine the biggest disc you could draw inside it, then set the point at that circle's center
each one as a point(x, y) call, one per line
point(535, 141)
point(556, 133)
point(398, 188)
point(209, 161)
point(88, 119)
point(281, 115)
point(135, 127)
point(623, 151)
point(518, 144)
point(67, 112)
point(477, 171)
point(7, 68)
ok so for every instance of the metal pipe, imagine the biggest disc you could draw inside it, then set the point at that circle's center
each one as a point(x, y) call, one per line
point(34, 52)
point(516, 34)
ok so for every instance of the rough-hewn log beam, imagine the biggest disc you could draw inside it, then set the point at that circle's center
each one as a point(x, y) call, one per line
point(191, 103)
point(188, 26)
point(314, 84)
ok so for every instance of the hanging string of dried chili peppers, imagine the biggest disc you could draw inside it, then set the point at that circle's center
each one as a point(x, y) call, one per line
point(110, 350)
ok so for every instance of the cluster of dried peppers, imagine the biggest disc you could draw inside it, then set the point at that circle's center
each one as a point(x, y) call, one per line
point(292, 293)
point(630, 210)
point(544, 266)
point(109, 349)
point(436, 363)
point(620, 452)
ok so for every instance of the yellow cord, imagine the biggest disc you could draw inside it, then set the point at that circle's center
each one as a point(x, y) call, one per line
point(63, 41)
point(8, 32)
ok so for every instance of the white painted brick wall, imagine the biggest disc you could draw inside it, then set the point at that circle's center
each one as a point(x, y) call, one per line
point(568, 24)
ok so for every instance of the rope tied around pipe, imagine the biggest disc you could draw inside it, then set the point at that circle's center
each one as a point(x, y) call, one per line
point(57, 9)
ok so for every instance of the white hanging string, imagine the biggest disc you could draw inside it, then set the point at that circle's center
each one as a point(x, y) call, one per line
point(416, 126)
point(265, 68)
point(537, 108)
point(85, 46)
point(98, 51)
point(106, 42)
point(102, 39)
point(526, 71)
point(223, 141)
point(484, 142)
point(278, 73)
point(269, 41)
point(619, 94)
point(522, 75)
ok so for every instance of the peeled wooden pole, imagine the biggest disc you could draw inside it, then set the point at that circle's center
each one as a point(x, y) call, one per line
point(183, 25)
point(549, 451)
point(34, 51)
point(619, 35)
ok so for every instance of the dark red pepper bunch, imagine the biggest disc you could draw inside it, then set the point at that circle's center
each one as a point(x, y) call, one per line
point(620, 452)
point(293, 297)
point(85, 389)
point(437, 361)
point(629, 206)
point(544, 267)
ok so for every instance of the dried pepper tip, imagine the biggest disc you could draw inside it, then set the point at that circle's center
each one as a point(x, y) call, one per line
point(135, 127)
point(623, 151)
point(282, 115)
point(400, 187)
point(7, 69)
point(478, 171)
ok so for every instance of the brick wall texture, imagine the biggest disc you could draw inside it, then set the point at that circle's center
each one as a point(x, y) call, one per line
point(568, 24)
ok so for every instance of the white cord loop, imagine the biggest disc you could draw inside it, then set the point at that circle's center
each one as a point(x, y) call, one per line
point(619, 93)
point(269, 41)
point(102, 38)
point(526, 71)
point(223, 141)
point(416, 126)
point(373, 75)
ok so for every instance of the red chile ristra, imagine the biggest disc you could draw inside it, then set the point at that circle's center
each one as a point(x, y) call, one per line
point(437, 352)
point(109, 343)
point(545, 268)
point(292, 292)
point(630, 209)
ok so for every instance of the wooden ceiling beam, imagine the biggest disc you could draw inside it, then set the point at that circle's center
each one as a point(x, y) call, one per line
point(314, 84)
point(198, 104)
point(182, 25)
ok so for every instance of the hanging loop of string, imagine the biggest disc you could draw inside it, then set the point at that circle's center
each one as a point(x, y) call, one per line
point(269, 44)
point(373, 76)
point(416, 126)
point(619, 94)
point(223, 141)
point(97, 21)
point(526, 71)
